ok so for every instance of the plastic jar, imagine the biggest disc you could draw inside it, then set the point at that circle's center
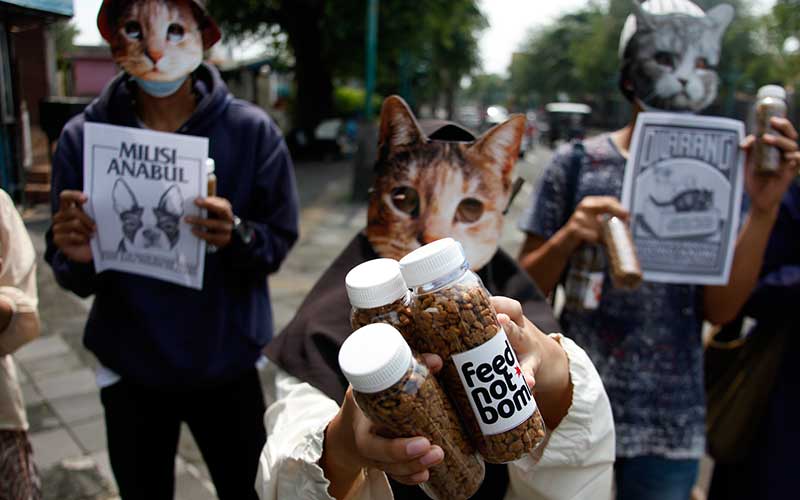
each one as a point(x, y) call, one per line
point(771, 101)
point(211, 176)
point(624, 267)
point(378, 294)
point(481, 373)
point(396, 391)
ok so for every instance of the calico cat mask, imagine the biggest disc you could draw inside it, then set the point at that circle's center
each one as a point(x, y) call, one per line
point(430, 189)
point(158, 42)
point(670, 50)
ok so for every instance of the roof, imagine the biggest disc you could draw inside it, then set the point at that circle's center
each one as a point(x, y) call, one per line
point(59, 7)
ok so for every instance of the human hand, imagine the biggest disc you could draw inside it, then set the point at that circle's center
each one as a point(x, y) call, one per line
point(544, 363)
point(584, 224)
point(218, 227)
point(72, 228)
point(766, 191)
point(353, 442)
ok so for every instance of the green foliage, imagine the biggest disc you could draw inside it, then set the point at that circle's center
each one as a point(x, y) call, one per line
point(64, 33)
point(424, 49)
point(349, 101)
point(577, 56)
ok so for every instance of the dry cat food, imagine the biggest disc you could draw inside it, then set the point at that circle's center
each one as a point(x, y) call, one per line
point(455, 319)
point(378, 294)
point(624, 264)
point(398, 392)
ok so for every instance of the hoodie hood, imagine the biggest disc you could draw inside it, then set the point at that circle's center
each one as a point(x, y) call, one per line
point(115, 104)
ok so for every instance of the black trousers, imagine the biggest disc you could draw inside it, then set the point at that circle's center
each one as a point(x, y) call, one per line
point(143, 427)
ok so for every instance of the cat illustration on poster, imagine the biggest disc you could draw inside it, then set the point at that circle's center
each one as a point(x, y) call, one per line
point(156, 228)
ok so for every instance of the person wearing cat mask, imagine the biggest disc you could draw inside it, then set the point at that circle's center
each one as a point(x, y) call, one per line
point(647, 343)
point(433, 180)
point(168, 354)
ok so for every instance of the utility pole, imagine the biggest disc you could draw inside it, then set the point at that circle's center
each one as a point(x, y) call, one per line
point(372, 55)
point(367, 131)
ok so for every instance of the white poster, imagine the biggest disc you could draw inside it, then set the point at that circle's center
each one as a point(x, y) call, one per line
point(683, 187)
point(141, 185)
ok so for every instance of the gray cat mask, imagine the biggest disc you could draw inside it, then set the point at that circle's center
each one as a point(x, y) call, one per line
point(670, 58)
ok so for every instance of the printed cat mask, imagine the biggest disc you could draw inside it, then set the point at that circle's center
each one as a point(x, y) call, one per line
point(157, 40)
point(426, 189)
point(670, 51)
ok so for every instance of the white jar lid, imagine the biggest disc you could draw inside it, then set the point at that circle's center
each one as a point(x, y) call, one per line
point(775, 91)
point(432, 261)
point(210, 166)
point(374, 358)
point(375, 283)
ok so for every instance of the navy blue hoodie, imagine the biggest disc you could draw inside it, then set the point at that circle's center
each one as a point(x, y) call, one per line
point(159, 334)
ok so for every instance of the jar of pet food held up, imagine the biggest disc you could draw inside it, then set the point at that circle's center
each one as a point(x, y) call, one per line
point(481, 373)
point(211, 168)
point(771, 102)
point(211, 191)
point(397, 392)
point(626, 273)
point(378, 294)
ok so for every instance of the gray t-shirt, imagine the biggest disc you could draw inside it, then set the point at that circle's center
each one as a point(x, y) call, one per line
point(646, 344)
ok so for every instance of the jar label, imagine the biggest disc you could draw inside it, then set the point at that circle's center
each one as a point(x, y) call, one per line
point(495, 385)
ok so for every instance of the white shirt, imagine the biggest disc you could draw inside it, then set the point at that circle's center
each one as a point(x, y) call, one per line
point(576, 462)
point(18, 290)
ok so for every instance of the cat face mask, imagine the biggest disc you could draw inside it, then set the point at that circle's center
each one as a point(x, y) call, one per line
point(426, 189)
point(157, 41)
point(670, 50)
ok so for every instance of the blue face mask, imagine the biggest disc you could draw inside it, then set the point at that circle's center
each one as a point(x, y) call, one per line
point(159, 89)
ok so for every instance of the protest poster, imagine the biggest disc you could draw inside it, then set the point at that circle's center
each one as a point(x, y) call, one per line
point(683, 188)
point(141, 185)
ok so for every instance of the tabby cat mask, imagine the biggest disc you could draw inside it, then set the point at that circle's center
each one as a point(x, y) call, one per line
point(670, 55)
point(426, 190)
point(159, 41)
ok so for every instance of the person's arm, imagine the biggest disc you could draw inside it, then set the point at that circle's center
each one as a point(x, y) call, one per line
point(274, 211)
point(19, 317)
point(546, 258)
point(67, 239)
point(291, 463)
point(722, 303)
point(577, 460)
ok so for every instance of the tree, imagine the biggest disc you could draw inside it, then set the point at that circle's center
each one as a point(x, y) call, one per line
point(430, 46)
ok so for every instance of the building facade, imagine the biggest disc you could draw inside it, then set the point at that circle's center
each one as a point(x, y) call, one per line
point(27, 75)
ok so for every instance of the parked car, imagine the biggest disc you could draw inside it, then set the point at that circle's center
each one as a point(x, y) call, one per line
point(566, 121)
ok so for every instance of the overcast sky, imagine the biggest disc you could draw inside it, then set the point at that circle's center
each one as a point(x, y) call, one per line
point(509, 21)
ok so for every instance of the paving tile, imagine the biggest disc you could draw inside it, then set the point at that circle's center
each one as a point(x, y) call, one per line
point(190, 484)
point(42, 347)
point(50, 447)
point(71, 383)
point(187, 447)
point(30, 394)
point(91, 435)
point(41, 417)
point(76, 408)
point(43, 368)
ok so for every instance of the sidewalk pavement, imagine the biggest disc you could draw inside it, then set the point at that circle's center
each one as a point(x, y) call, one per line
point(57, 372)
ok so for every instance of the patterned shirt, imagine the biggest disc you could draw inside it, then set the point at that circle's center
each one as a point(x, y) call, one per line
point(646, 343)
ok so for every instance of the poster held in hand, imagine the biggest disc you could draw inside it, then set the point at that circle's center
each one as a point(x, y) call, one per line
point(141, 185)
point(683, 188)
